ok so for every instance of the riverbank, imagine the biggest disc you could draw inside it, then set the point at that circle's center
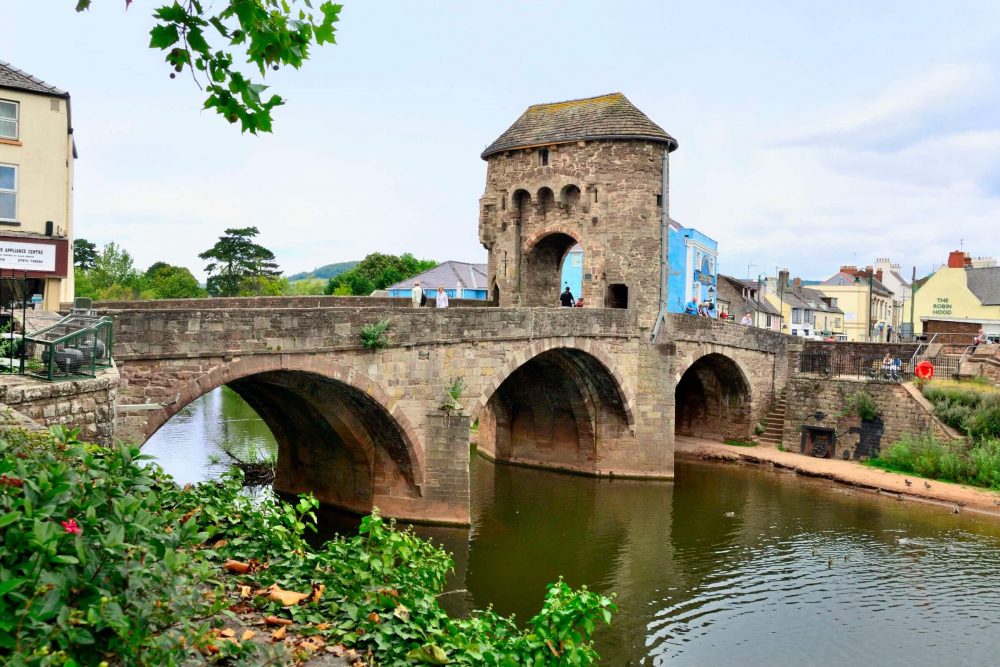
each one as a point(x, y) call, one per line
point(957, 496)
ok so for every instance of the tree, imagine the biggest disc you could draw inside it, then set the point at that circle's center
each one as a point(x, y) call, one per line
point(165, 281)
point(114, 266)
point(204, 37)
point(239, 266)
point(377, 271)
point(84, 253)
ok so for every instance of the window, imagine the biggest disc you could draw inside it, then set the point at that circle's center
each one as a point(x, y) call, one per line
point(8, 119)
point(576, 259)
point(796, 316)
point(836, 323)
point(543, 157)
point(768, 320)
point(8, 193)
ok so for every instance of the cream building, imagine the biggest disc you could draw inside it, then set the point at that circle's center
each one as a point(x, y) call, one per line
point(868, 306)
point(902, 294)
point(36, 186)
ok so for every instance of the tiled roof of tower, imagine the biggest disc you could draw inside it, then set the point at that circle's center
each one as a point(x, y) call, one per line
point(12, 77)
point(605, 117)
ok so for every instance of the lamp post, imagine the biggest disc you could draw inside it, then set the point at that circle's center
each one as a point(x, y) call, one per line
point(711, 301)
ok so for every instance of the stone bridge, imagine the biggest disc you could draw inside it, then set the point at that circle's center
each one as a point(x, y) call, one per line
point(575, 389)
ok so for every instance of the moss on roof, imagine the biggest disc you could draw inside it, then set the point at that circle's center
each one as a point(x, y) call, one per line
point(609, 116)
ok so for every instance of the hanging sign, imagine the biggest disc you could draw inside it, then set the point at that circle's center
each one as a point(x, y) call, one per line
point(27, 256)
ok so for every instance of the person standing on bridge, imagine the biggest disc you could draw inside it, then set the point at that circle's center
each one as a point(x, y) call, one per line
point(441, 300)
point(747, 320)
point(691, 307)
point(417, 295)
point(566, 298)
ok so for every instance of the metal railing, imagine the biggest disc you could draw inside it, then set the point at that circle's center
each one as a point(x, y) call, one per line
point(869, 367)
point(76, 346)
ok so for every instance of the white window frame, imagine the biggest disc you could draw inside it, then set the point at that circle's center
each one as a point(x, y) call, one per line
point(17, 120)
point(576, 259)
point(14, 191)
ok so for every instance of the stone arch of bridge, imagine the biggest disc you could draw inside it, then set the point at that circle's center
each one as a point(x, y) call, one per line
point(544, 253)
point(339, 435)
point(555, 406)
point(713, 396)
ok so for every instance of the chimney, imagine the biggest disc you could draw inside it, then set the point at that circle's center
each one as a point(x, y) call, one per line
point(849, 269)
point(878, 275)
point(956, 259)
point(797, 282)
point(782, 280)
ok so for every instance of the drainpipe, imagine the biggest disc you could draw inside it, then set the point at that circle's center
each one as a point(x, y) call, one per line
point(664, 240)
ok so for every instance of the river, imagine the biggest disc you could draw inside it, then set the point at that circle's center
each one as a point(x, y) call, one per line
point(725, 565)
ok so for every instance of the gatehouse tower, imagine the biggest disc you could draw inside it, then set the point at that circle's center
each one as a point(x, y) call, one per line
point(587, 172)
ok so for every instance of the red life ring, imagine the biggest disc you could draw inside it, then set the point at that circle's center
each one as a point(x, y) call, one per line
point(924, 370)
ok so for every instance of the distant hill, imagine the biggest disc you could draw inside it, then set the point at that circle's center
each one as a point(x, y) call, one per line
point(324, 272)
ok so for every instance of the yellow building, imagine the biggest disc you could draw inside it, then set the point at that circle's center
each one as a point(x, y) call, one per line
point(959, 293)
point(36, 186)
point(867, 303)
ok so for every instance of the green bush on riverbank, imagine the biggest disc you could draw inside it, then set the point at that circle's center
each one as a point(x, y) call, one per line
point(103, 558)
point(978, 464)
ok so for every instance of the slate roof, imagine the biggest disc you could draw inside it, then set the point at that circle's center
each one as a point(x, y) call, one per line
point(841, 278)
point(609, 116)
point(762, 304)
point(803, 297)
point(447, 275)
point(12, 77)
point(985, 284)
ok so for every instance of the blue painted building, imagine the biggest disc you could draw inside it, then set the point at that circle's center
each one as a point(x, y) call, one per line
point(572, 271)
point(694, 268)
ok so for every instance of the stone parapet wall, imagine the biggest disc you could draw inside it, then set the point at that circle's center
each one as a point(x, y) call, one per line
point(206, 333)
point(823, 403)
point(88, 404)
point(275, 302)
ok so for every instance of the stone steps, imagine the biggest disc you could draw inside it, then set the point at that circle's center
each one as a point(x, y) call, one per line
point(774, 423)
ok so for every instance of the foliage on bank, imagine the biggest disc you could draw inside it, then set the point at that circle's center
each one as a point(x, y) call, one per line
point(104, 558)
point(972, 408)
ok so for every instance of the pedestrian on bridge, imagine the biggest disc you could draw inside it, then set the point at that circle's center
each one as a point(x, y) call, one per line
point(566, 298)
point(441, 300)
point(417, 297)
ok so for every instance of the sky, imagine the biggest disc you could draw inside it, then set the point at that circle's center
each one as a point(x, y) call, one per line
point(812, 133)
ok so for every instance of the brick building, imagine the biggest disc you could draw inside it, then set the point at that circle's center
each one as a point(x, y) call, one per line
point(585, 172)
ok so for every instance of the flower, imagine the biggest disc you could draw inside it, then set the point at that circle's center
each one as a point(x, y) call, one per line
point(71, 526)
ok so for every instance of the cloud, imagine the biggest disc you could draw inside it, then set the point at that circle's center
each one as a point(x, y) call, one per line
point(945, 97)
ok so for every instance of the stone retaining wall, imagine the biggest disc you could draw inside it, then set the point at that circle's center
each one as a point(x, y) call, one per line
point(88, 404)
point(272, 302)
point(823, 403)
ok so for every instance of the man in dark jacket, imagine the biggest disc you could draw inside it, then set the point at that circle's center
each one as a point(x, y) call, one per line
point(566, 298)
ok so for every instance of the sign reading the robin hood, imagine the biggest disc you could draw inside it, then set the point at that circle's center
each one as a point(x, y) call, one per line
point(27, 256)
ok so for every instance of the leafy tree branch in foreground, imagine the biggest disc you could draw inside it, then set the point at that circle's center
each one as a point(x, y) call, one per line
point(206, 37)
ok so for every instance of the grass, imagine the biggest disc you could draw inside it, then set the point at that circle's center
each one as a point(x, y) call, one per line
point(740, 443)
point(925, 456)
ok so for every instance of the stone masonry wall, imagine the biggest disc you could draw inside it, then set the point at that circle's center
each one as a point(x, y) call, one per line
point(271, 302)
point(88, 404)
point(822, 403)
point(600, 194)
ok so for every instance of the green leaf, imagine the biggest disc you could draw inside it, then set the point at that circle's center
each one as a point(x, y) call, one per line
point(9, 585)
point(430, 654)
point(197, 40)
point(65, 560)
point(163, 36)
point(9, 518)
point(173, 13)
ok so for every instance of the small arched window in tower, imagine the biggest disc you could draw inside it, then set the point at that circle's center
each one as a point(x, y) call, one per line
point(543, 157)
point(569, 196)
point(521, 201)
point(546, 200)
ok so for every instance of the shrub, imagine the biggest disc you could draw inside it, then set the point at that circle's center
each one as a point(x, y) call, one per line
point(104, 558)
point(863, 405)
point(373, 335)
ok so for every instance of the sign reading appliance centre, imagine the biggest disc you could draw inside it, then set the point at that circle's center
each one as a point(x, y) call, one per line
point(27, 256)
